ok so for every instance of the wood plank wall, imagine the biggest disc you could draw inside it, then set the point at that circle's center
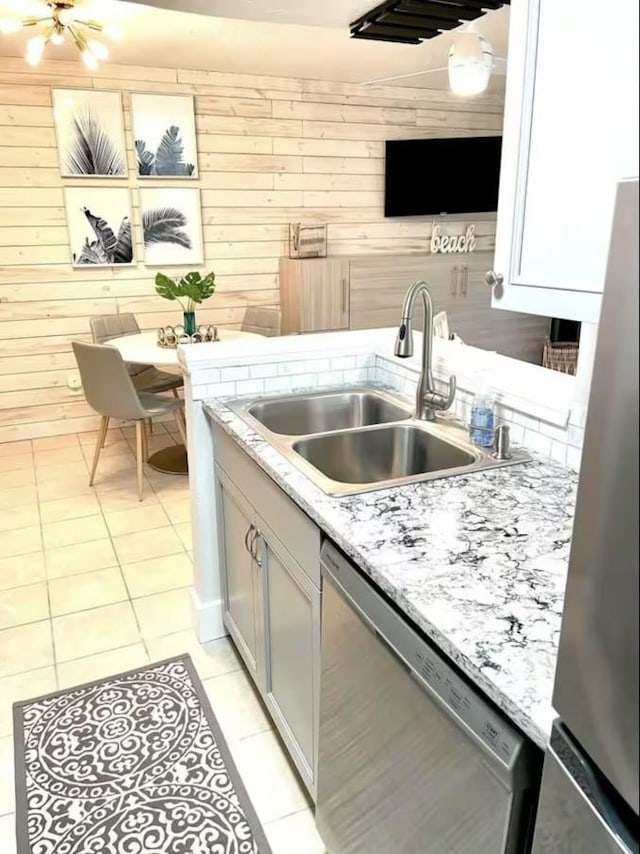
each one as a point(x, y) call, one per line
point(271, 151)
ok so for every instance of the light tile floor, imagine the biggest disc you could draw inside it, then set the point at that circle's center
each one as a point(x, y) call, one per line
point(93, 582)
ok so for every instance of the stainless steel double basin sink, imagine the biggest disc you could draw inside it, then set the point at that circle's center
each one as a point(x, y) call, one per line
point(359, 439)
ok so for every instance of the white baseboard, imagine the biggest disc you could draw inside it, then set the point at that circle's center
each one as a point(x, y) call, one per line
point(207, 618)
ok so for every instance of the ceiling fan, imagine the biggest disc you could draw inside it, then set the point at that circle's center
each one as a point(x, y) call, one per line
point(470, 64)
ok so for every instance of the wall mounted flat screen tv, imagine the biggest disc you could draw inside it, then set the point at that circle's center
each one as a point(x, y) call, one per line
point(426, 177)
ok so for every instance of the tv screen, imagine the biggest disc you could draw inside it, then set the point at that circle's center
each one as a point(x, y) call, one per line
point(442, 176)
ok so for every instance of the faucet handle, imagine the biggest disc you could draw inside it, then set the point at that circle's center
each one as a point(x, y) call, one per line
point(436, 400)
point(453, 385)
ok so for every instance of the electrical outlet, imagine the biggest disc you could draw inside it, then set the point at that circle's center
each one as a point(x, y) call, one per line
point(75, 383)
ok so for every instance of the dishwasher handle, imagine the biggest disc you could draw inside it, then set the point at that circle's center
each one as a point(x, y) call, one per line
point(506, 770)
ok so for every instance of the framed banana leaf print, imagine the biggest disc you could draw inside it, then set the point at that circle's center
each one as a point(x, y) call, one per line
point(164, 133)
point(99, 223)
point(171, 226)
point(89, 133)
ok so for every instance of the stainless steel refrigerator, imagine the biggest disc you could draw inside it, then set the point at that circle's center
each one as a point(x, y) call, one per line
point(589, 797)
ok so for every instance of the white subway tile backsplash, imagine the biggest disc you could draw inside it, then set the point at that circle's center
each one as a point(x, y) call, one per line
point(464, 412)
point(333, 378)
point(355, 376)
point(222, 389)
point(317, 365)
point(553, 432)
point(265, 369)
point(283, 374)
point(209, 375)
point(575, 436)
point(537, 442)
point(574, 457)
point(578, 415)
point(277, 384)
point(365, 360)
point(288, 368)
point(559, 452)
point(241, 372)
point(343, 363)
point(250, 387)
point(516, 434)
point(525, 421)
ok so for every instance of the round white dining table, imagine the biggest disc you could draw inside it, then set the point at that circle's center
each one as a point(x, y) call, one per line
point(143, 348)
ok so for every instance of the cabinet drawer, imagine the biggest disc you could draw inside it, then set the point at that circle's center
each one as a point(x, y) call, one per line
point(296, 532)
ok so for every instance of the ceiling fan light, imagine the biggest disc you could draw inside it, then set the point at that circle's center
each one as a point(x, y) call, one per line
point(468, 79)
point(99, 50)
point(470, 64)
point(112, 31)
point(35, 48)
point(9, 26)
point(57, 37)
point(89, 58)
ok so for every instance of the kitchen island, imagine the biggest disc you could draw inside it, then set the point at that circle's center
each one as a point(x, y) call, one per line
point(476, 562)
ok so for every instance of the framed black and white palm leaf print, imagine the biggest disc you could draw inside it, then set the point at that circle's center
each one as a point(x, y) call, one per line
point(171, 226)
point(99, 223)
point(164, 133)
point(89, 133)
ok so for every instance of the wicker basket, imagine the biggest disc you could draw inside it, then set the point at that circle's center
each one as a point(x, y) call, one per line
point(559, 356)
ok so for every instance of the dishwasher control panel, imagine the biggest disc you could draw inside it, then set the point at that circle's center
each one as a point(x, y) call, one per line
point(472, 709)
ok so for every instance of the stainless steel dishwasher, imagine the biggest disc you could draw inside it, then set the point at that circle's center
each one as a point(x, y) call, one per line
point(412, 760)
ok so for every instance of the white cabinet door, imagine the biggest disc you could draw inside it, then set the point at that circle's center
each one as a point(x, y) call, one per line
point(570, 134)
point(242, 594)
point(292, 653)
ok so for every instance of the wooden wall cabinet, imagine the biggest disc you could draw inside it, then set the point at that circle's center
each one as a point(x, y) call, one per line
point(314, 294)
point(570, 134)
point(375, 288)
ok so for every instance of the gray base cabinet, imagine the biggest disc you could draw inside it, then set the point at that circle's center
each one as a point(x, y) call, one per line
point(271, 599)
point(242, 601)
point(292, 653)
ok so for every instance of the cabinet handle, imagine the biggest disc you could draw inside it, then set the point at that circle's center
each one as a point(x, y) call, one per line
point(491, 279)
point(453, 284)
point(246, 538)
point(465, 280)
point(254, 548)
point(344, 295)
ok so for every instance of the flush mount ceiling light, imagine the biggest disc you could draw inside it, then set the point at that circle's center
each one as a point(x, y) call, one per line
point(58, 20)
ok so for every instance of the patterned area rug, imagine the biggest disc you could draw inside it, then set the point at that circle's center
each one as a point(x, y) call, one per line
point(132, 764)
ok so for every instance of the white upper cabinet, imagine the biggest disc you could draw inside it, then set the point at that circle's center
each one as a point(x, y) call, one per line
point(570, 134)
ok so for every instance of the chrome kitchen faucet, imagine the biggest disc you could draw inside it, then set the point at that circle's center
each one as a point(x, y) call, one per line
point(428, 399)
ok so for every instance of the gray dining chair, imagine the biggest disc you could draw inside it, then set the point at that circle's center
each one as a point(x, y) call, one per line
point(110, 391)
point(261, 320)
point(146, 378)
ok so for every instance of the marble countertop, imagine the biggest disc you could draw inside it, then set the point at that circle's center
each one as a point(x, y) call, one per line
point(478, 562)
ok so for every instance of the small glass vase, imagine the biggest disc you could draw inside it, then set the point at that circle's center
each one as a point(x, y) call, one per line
point(189, 322)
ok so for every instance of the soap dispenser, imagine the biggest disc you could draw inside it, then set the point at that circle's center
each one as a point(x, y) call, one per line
point(482, 423)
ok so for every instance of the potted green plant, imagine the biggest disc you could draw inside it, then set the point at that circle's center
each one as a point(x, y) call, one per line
point(190, 290)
